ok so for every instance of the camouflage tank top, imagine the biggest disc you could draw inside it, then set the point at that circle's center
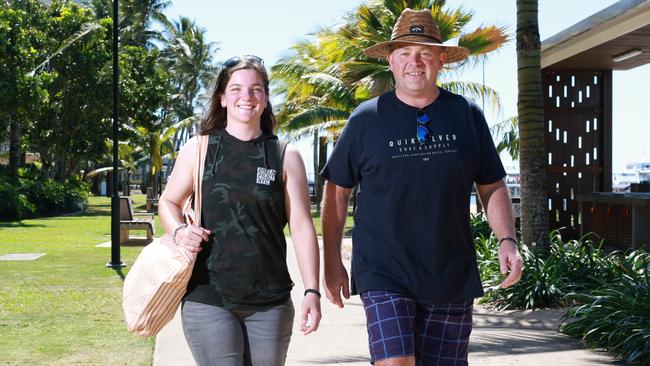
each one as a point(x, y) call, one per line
point(243, 265)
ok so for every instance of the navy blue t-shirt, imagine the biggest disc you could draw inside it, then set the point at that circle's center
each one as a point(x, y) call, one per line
point(411, 225)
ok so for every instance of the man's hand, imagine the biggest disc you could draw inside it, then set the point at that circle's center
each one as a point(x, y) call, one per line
point(510, 263)
point(335, 282)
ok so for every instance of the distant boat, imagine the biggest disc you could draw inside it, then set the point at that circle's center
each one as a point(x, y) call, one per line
point(634, 173)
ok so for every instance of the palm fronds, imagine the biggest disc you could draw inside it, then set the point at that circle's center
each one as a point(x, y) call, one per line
point(328, 75)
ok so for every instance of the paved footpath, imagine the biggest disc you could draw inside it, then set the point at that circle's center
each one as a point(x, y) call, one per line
point(521, 338)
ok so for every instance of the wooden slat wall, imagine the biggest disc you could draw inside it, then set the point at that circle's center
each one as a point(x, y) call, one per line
point(577, 117)
point(611, 222)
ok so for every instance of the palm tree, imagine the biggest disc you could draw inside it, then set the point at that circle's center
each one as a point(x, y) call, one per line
point(316, 101)
point(506, 132)
point(160, 144)
point(136, 19)
point(313, 93)
point(534, 215)
point(188, 57)
point(139, 16)
point(334, 64)
point(373, 24)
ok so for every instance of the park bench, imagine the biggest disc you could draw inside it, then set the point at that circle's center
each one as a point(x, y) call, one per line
point(128, 222)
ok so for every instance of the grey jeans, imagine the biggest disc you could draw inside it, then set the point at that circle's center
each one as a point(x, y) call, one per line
point(217, 336)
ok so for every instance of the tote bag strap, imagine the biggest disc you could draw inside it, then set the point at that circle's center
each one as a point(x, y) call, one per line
point(201, 152)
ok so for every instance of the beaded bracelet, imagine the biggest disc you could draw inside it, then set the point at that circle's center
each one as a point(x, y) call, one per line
point(179, 227)
point(507, 238)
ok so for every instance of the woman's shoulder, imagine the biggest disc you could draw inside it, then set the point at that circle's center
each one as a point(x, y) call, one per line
point(291, 152)
point(291, 149)
point(193, 142)
point(292, 158)
point(189, 148)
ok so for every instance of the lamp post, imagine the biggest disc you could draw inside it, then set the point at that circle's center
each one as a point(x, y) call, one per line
point(115, 262)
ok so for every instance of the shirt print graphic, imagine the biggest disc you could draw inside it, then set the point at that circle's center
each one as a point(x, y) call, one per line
point(410, 147)
point(265, 176)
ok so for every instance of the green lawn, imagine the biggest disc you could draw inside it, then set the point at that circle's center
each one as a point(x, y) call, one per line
point(65, 308)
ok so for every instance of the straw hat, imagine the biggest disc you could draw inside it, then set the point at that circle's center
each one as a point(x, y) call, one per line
point(416, 27)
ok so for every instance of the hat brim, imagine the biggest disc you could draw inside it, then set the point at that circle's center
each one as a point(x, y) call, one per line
point(381, 50)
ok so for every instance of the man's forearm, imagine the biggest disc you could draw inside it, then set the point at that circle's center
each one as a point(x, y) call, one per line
point(499, 210)
point(335, 205)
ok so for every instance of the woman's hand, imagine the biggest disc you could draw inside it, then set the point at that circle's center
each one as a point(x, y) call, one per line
point(190, 237)
point(310, 317)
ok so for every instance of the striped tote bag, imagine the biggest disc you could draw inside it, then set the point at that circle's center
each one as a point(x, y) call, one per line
point(156, 283)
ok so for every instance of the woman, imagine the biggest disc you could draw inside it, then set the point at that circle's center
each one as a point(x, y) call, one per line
point(237, 309)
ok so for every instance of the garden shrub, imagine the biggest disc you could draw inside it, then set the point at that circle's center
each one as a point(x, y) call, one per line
point(487, 250)
point(539, 287)
point(616, 315)
point(479, 225)
point(13, 204)
point(36, 195)
point(607, 295)
point(573, 266)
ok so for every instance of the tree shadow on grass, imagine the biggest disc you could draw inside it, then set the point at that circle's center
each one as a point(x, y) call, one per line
point(20, 224)
point(105, 210)
point(142, 207)
point(93, 212)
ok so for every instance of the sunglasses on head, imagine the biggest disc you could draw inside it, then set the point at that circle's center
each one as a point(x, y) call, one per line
point(422, 132)
point(237, 59)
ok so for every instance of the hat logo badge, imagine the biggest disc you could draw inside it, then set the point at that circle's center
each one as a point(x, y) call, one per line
point(416, 29)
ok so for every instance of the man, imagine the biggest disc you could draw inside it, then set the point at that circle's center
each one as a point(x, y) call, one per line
point(415, 153)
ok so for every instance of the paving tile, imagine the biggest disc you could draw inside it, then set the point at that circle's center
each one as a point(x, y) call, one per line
point(21, 256)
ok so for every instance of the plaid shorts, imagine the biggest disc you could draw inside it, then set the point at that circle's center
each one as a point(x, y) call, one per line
point(398, 326)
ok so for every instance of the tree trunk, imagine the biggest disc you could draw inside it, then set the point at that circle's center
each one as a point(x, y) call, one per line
point(73, 168)
point(59, 168)
point(534, 214)
point(66, 167)
point(14, 146)
point(154, 184)
point(127, 182)
point(316, 176)
point(320, 182)
point(46, 158)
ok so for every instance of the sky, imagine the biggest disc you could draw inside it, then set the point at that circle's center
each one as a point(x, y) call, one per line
point(269, 28)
